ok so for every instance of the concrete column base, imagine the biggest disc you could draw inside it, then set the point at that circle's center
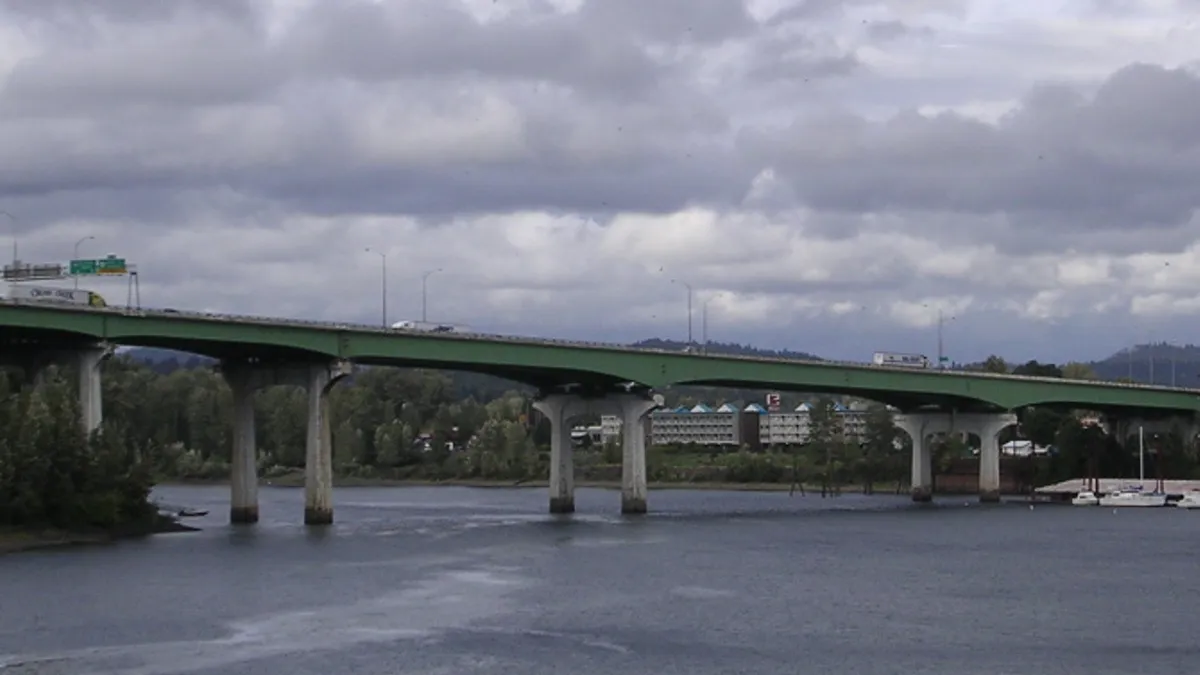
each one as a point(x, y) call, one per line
point(922, 494)
point(562, 505)
point(633, 506)
point(989, 496)
point(243, 515)
point(318, 516)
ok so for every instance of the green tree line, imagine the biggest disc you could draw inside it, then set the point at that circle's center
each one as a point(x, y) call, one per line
point(414, 424)
point(52, 475)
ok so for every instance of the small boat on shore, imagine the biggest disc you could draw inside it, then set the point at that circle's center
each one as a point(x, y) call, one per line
point(1085, 498)
point(1191, 500)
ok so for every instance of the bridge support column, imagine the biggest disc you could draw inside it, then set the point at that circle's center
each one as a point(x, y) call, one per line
point(919, 427)
point(91, 396)
point(243, 479)
point(561, 409)
point(318, 464)
point(245, 377)
point(989, 427)
point(633, 458)
point(33, 364)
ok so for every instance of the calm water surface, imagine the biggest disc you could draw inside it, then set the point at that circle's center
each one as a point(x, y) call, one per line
point(450, 580)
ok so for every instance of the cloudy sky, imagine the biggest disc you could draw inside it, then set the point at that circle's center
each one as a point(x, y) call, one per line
point(825, 174)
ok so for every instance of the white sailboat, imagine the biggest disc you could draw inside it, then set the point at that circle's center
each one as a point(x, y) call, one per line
point(1133, 495)
point(1191, 500)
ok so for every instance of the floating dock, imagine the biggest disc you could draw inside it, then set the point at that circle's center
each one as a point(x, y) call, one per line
point(1067, 489)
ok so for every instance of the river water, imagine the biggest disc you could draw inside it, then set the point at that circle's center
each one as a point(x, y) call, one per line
point(460, 581)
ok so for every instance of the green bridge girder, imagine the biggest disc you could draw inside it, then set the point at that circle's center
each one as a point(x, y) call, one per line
point(547, 364)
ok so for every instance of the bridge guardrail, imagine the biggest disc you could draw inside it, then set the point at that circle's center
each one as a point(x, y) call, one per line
point(517, 339)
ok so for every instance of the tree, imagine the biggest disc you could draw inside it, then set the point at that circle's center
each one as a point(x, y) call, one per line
point(995, 364)
point(1078, 371)
point(825, 439)
point(879, 443)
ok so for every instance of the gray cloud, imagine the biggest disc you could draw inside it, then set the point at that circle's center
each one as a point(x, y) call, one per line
point(1123, 159)
point(562, 165)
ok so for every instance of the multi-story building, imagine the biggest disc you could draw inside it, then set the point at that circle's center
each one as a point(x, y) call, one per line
point(732, 426)
point(700, 425)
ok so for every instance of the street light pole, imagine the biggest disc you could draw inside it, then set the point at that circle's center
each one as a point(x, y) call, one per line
point(383, 284)
point(689, 308)
point(941, 351)
point(704, 321)
point(76, 254)
point(425, 294)
point(14, 232)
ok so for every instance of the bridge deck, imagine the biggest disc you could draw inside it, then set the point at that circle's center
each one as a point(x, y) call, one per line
point(251, 321)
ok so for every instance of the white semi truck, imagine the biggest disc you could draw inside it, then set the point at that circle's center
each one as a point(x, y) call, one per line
point(54, 295)
point(424, 327)
point(901, 360)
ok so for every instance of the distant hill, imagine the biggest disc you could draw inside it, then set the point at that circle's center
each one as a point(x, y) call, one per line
point(1184, 360)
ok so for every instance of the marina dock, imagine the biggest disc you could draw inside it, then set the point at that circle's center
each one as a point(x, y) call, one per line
point(1067, 489)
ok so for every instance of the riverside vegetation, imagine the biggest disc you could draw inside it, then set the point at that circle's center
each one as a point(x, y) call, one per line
point(392, 424)
point(167, 421)
point(57, 485)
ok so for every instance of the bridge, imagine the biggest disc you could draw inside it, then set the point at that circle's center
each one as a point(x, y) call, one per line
point(573, 379)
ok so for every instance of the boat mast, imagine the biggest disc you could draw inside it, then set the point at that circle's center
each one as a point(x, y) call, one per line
point(1141, 454)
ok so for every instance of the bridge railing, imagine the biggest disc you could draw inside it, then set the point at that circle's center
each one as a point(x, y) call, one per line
point(518, 339)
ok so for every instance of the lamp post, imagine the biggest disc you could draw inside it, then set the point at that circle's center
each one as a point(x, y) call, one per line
point(941, 323)
point(689, 308)
point(76, 254)
point(425, 293)
point(14, 232)
point(383, 284)
point(704, 321)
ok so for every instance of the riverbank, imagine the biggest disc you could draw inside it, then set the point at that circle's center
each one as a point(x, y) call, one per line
point(15, 540)
point(296, 480)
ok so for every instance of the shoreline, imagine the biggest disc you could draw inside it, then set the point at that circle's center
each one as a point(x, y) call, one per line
point(297, 481)
point(18, 540)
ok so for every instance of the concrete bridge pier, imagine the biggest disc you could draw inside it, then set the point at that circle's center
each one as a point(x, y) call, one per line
point(561, 409)
point(245, 377)
point(243, 381)
point(920, 426)
point(634, 410)
point(989, 427)
point(318, 463)
point(86, 360)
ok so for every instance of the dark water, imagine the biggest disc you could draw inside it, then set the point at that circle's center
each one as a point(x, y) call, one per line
point(449, 581)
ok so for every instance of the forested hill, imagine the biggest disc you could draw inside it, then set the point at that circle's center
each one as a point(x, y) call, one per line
point(1162, 357)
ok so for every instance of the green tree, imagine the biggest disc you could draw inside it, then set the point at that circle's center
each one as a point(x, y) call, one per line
point(825, 440)
point(995, 364)
point(879, 444)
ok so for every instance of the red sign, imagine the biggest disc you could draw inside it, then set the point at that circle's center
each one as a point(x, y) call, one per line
point(773, 402)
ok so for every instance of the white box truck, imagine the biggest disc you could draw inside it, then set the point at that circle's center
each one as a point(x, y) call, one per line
point(53, 295)
point(901, 360)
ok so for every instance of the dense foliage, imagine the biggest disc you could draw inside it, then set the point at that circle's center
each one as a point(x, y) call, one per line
point(53, 475)
point(175, 423)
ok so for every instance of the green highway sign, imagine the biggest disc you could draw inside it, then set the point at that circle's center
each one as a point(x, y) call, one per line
point(80, 268)
point(112, 265)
